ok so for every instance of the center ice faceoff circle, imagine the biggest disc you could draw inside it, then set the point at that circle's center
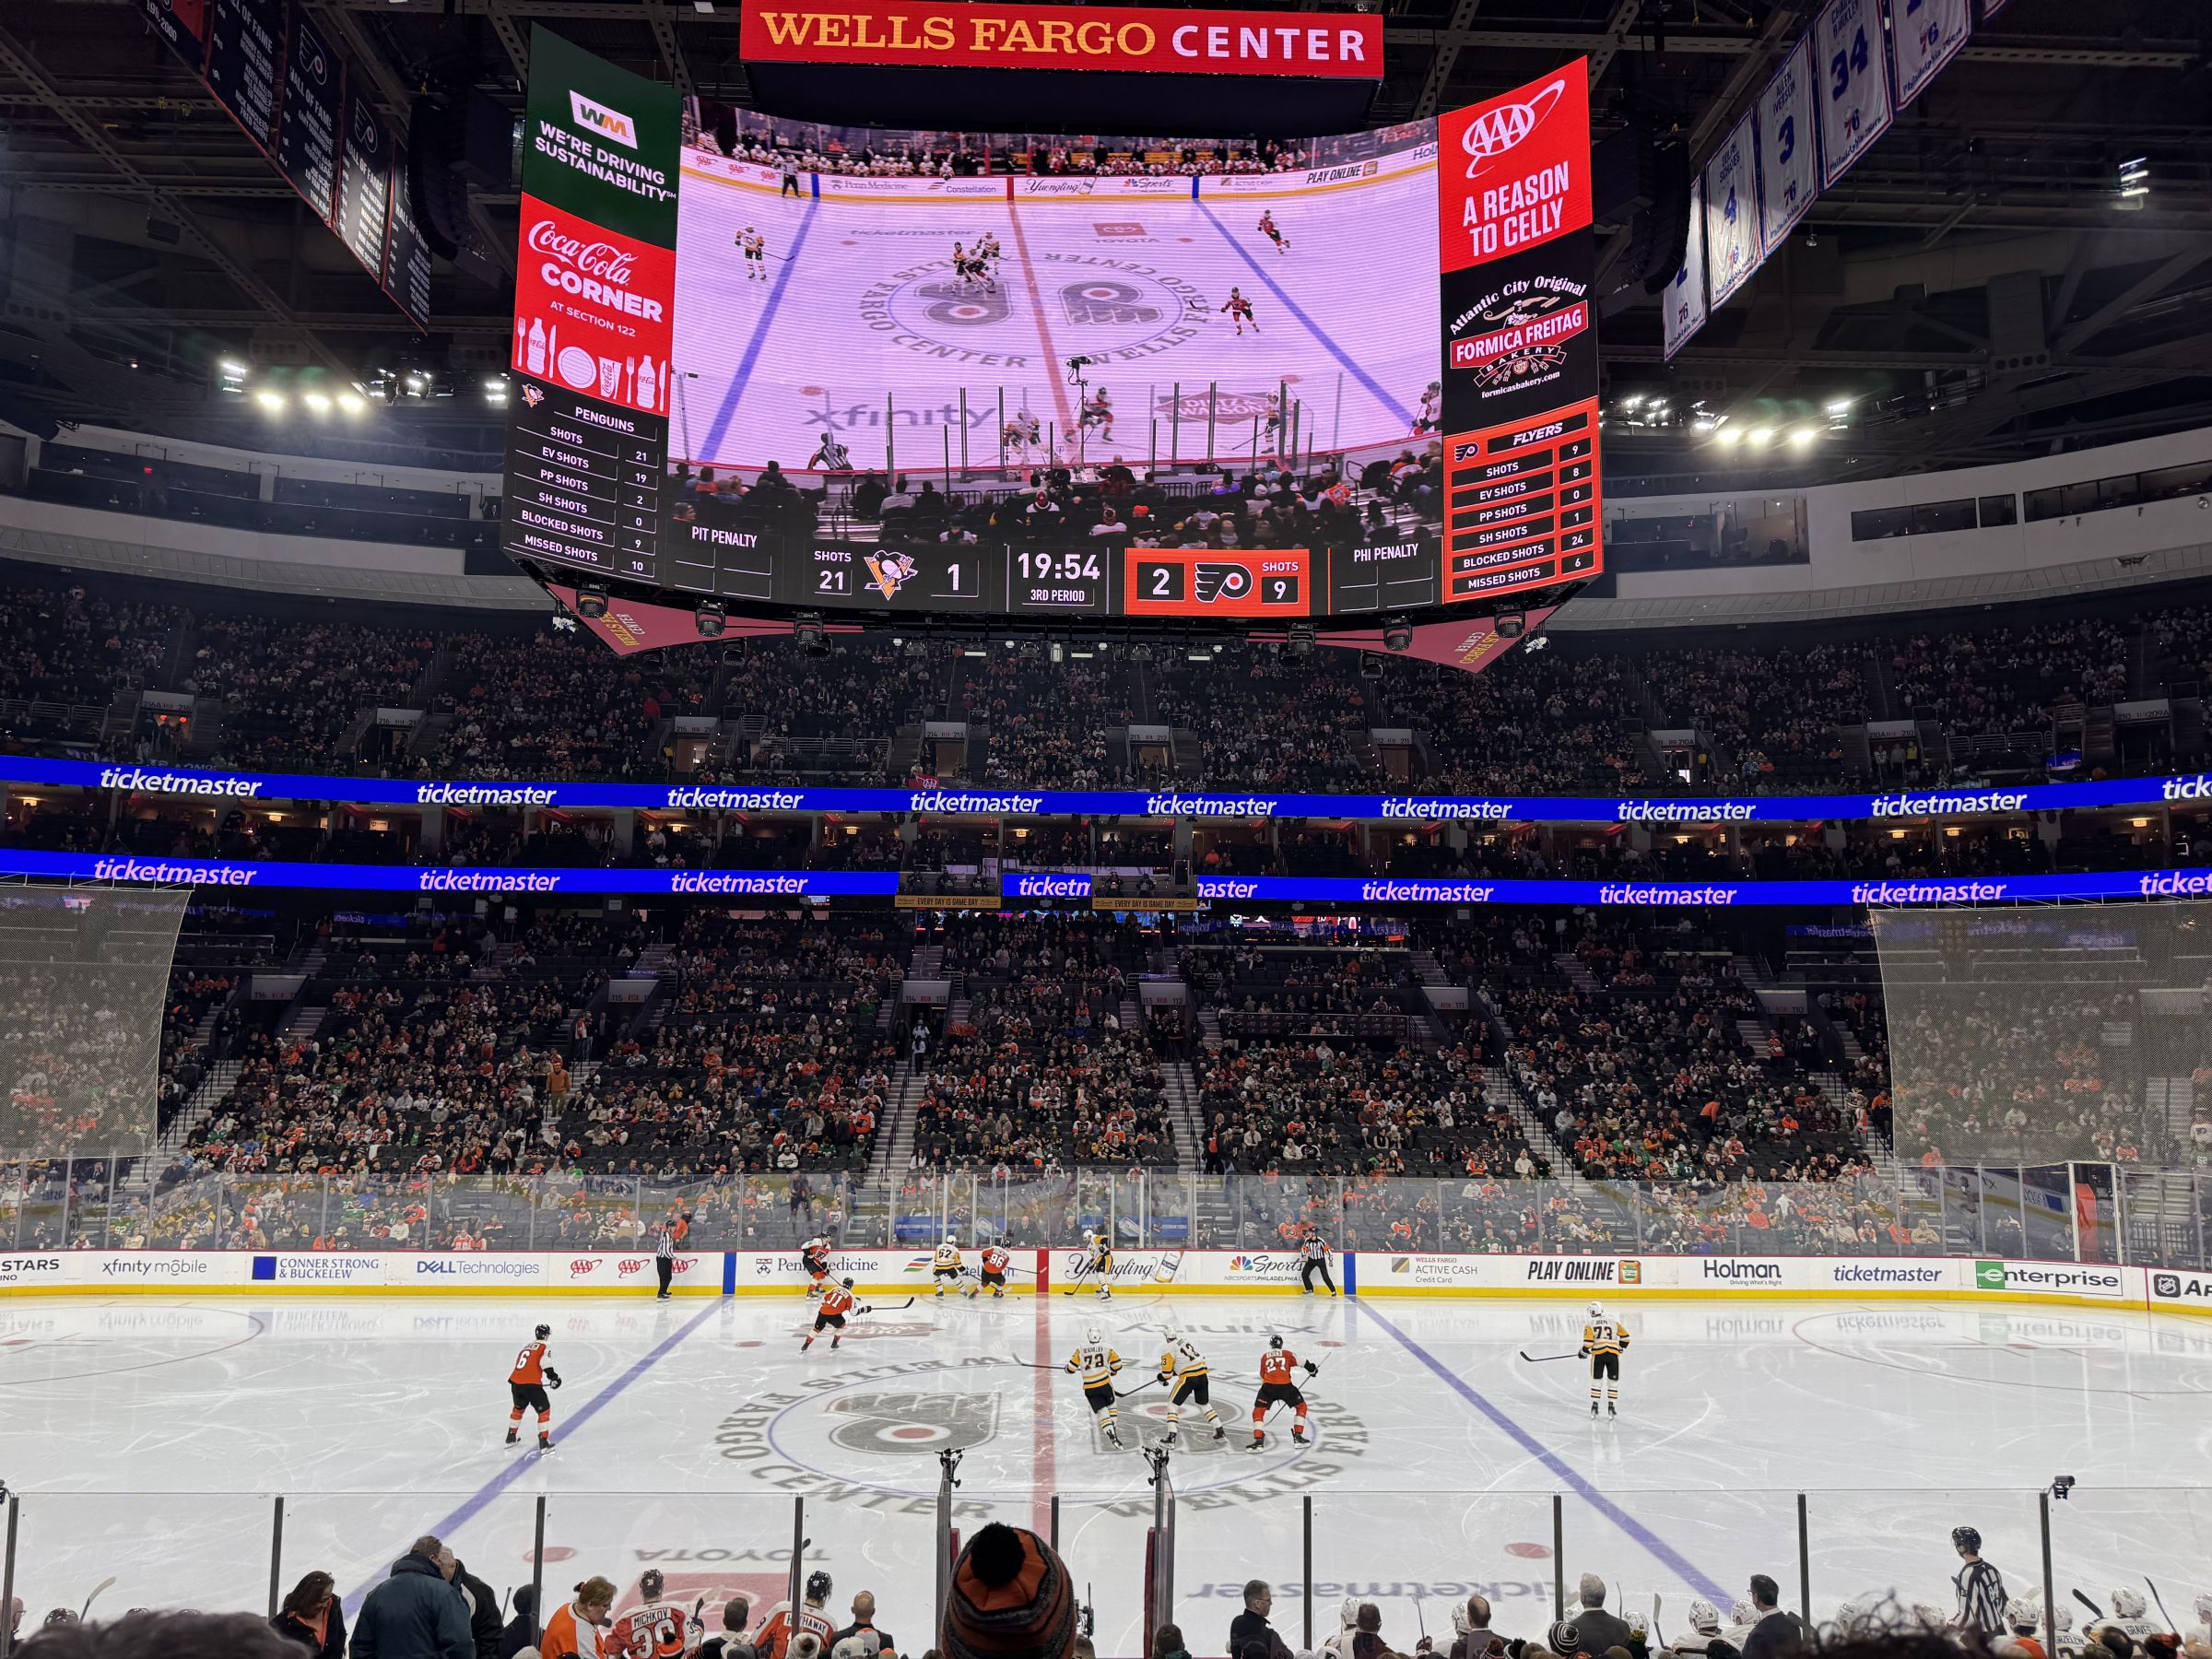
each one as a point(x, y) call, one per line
point(1110, 308)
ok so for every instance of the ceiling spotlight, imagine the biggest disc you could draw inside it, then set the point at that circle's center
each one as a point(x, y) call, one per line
point(1728, 437)
point(1511, 625)
point(1803, 436)
point(1841, 405)
point(1760, 437)
point(711, 617)
point(2135, 182)
point(272, 401)
point(1705, 424)
point(1057, 652)
point(1299, 644)
point(316, 402)
point(591, 601)
point(813, 638)
point(353, 403)
point(1397, 634)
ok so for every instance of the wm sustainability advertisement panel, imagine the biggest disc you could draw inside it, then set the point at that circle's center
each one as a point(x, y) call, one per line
point(594, 310)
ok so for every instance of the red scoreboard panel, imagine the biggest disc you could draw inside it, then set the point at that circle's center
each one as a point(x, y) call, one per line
point(1520, 507)
point(1229, 582)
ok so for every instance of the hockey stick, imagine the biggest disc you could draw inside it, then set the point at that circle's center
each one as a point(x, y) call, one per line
point(1033, 1364)
point(1122, 1394)
point(2086, 1602)
point(1655, 1629)
point(2162, 1601)
point(91, 1598)
point(1546, 1358)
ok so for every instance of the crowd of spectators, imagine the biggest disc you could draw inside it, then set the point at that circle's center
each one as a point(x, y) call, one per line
point(561, 706)
point(2004, 679)
point(290, 689)
point(950, 157)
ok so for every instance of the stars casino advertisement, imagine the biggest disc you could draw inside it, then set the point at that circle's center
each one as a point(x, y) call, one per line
point(1519, 339)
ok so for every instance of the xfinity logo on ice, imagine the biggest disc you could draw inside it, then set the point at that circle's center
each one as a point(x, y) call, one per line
point(166, 782)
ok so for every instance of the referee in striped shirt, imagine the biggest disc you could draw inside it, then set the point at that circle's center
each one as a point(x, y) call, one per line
point(1981, 1587)
point(663, 1256)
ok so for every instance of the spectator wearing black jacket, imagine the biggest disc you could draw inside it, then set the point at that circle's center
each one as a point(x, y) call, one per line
point(522, 1629)
point(311, 1617)
point(484, 1628)
point(1250, 1634)
point(1600, 1629)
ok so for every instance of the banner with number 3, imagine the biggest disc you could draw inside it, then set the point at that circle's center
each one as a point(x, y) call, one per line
point(1789, 147)
point(1853, 59)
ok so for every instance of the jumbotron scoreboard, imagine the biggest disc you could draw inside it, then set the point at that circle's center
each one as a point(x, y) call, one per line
point(689, 310)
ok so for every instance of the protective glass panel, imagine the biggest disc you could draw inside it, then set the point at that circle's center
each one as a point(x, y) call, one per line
point(2043, 1037)
point(84, 979)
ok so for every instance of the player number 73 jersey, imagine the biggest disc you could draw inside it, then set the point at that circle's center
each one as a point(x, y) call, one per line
point(656, 1630)
point(1095, 1365)
point(1604, 1337)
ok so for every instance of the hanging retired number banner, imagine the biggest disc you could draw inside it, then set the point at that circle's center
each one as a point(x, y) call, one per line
point(1732, 250)
point(1852, 54)
point(1519, 410)
point(1789, 147)
point(1929, 34)
point(1685, 300)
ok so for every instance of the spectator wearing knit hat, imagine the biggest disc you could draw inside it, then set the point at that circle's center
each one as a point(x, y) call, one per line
point(1011, 1599)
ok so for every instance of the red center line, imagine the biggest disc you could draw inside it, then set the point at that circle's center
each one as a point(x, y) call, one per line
point(1045, 333)
point(1046, 1482)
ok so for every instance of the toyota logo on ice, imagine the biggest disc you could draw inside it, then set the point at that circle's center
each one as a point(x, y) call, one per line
point(1491, 134)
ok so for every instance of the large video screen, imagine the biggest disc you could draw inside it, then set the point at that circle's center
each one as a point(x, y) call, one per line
point(890, 312)
point(1051, 375)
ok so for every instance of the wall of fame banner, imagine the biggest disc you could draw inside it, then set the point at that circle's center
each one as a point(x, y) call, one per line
point(1787, 120)
point(1684, 297)
point(1851, 56)
point(1927, 36)
point(182, 26)
point(1519, 337)
point(307, 115)
point(951, 34)
point(1731, 181)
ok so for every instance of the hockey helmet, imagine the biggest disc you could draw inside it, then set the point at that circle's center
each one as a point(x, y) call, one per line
point(1966, 1538)
point(847, 1283)
point(2127, 1603)
point(544, 1331)
point(1597, 1309)
point(1276, 1341)
point(1092, 1335)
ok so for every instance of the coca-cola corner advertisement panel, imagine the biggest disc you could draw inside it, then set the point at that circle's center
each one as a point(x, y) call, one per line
point(1519, 339)
point(594, 307)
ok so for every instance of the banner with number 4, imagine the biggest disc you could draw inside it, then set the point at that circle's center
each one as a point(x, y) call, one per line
point(1853, 56)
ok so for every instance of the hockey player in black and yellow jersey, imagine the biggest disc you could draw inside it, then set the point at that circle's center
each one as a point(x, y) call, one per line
point(1184, 1365)
point(1603, 1341)
point(945, 1266)
point(1101, 1264)
point(1096, 1364)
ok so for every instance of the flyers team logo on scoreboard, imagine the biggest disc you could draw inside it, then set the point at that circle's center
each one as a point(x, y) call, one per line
point(595, 117)
point(1492, 134)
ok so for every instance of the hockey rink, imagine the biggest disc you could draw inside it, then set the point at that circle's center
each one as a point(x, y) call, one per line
point(854, 320)
point(148, 1437)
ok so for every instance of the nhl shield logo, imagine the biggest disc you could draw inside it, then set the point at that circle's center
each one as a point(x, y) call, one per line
point(924, 1423)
